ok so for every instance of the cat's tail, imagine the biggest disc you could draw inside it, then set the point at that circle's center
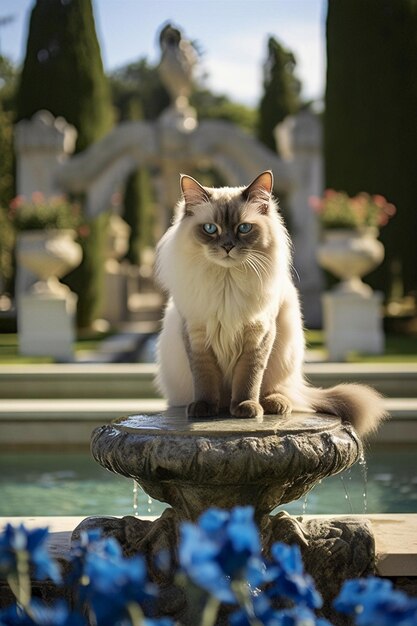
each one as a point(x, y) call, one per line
point(360, 405)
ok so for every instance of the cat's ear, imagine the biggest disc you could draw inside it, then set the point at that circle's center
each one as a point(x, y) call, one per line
point(263, 184)
point(260, 189)
point(192, 191)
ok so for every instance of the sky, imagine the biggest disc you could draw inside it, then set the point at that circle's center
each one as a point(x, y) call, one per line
point(231, 34)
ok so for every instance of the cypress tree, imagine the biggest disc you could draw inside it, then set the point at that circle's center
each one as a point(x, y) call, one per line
point(281, 92)
point(138, 94)
point(6, 160)
point(371, 104)
point(7, 106)
point(63, 73)
point(138, 213)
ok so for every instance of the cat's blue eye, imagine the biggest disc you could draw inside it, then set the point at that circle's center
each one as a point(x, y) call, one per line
point(244, 228)
point(210, 229)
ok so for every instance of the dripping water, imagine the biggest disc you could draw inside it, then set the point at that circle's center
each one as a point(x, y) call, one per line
point(135, 498)
point(137, 491)
point(347, 497)
point(364, 471)
point(304, 509)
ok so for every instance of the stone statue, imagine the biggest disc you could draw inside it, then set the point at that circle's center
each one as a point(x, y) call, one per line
point(177, 64)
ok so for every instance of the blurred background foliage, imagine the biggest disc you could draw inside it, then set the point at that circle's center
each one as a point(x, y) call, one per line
point(369, 118)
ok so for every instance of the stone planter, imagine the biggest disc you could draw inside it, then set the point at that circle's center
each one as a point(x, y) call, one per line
point(350, 254)
point(49, 254)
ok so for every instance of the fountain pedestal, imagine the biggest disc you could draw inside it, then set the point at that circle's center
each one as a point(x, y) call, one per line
point(196, 464)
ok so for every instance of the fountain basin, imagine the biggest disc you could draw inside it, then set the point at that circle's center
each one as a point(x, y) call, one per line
point(193, 464)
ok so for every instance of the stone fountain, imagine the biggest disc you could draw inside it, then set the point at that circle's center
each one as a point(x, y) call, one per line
point(194, 464)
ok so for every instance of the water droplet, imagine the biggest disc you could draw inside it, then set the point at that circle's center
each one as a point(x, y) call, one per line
point(347, 497)
point(150, 503)
point(364, 470)
point(135, 499)
point(304, 509)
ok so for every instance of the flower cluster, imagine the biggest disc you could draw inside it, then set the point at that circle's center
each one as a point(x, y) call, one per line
point(39, 213)
point(337, 210)
point(373, 601)
point(220, 561)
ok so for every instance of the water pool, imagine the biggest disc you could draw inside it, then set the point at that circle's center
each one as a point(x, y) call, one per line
point(65, 483)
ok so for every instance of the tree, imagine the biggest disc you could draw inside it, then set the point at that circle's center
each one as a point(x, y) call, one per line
point(139, 213)
point(219, 107)
point(281, 92)
point(7, 85)
point(371, 104)
point(63, 73)
point(138, 92)
point(7, 90)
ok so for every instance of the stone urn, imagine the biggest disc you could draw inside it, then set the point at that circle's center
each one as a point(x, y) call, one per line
point(49, 254)
point(350, 254)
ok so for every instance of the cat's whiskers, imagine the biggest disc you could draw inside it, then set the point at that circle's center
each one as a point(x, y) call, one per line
point(263, 266)
point(249, 261)
point(262, 256)
point(260, 263)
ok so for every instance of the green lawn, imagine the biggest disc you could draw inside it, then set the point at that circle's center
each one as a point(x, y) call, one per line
point(398, 348)
point(9, 348)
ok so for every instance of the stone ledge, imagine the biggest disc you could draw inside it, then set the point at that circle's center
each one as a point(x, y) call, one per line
point(136, 380)
point(395, 538)
point(50, 422)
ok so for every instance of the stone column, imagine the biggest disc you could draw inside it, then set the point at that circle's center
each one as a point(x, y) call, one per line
point(42, 144)
point(116, 275)
point(46, 320)
point(353, 323)
point(300, 139)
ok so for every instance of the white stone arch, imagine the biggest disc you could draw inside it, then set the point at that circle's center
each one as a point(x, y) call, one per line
point(99, 169)
point(168, 149)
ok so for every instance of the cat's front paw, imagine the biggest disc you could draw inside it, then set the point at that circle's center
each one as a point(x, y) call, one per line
point(276, 404)
point(246, 409)
point(202, 409)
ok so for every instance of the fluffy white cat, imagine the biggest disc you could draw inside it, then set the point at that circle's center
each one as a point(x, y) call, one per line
point(232, 336)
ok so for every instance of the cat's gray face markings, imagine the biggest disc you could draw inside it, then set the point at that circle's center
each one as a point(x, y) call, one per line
point(229, 236)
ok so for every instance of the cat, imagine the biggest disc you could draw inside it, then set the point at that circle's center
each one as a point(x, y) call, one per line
point(232, 336)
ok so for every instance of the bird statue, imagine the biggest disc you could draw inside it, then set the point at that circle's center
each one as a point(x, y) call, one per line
point(177, 64)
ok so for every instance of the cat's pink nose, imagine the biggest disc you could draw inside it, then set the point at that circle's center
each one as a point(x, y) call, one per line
point(228, 247)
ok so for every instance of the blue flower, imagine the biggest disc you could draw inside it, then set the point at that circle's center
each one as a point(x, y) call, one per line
point(298, 616)
point(265, 614)
point(40, 614)
point(109, 582)
point(79, 550)
point(374, 601)
point(222, 548)
point(288, 578)
point(20, 542)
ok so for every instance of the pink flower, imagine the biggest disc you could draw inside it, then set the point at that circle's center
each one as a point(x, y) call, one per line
point(330, 193)
point(338, 210)
point(83, 231)
point(315, 203)
point(17, 202)
point(38, 197)
point(379, 200)
point(390, 209)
